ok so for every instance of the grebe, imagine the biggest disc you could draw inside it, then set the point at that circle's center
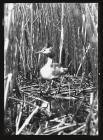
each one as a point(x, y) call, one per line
point(51, 70)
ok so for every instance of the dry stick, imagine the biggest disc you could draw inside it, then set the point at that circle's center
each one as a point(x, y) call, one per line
point(61, 122)
point(56, 27)
point(53, 128)
point(59, 133)
point(58, 119)
point(39, 13)
point(66, 98)
point(62, 33)
point(26, 23)
point(31, 42)
point(93, 22)
point(6, 89)
point(91, 97)
point(77, 130)
point(59, 129)
point(38, 98)
point(90, 113)
point(38, 131)
point(21, 55)
point(28, 59)
point(24, 98)
point(52, 90)
point(61, 80)
point(81, 80)
point(32, 101)
point(69, 93)
point(18, 122)
point(27, 120)
point(23, 45)
point(88, 89)
point(18, 119)
point(7, 23)
point(26, 87)
point(83, 60)
point(22, 101)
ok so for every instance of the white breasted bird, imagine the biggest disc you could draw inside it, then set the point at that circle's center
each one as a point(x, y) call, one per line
point(51, 70)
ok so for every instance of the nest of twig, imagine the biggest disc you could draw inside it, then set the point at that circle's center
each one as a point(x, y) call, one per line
point(62, 108)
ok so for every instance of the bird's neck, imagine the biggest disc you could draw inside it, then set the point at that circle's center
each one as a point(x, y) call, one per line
point(49, 61)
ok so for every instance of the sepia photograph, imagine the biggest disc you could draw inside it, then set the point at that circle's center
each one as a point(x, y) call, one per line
point(50, 68)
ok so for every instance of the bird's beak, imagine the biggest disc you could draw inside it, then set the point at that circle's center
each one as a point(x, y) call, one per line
point(40, 51)
point(44, 50)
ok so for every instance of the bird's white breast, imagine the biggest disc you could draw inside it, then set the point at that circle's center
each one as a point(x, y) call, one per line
point(46, 72)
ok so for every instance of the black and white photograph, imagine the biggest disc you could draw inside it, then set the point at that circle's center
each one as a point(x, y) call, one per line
point(50, 69)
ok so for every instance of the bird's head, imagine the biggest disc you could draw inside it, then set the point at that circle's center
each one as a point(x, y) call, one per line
point(47, 51)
